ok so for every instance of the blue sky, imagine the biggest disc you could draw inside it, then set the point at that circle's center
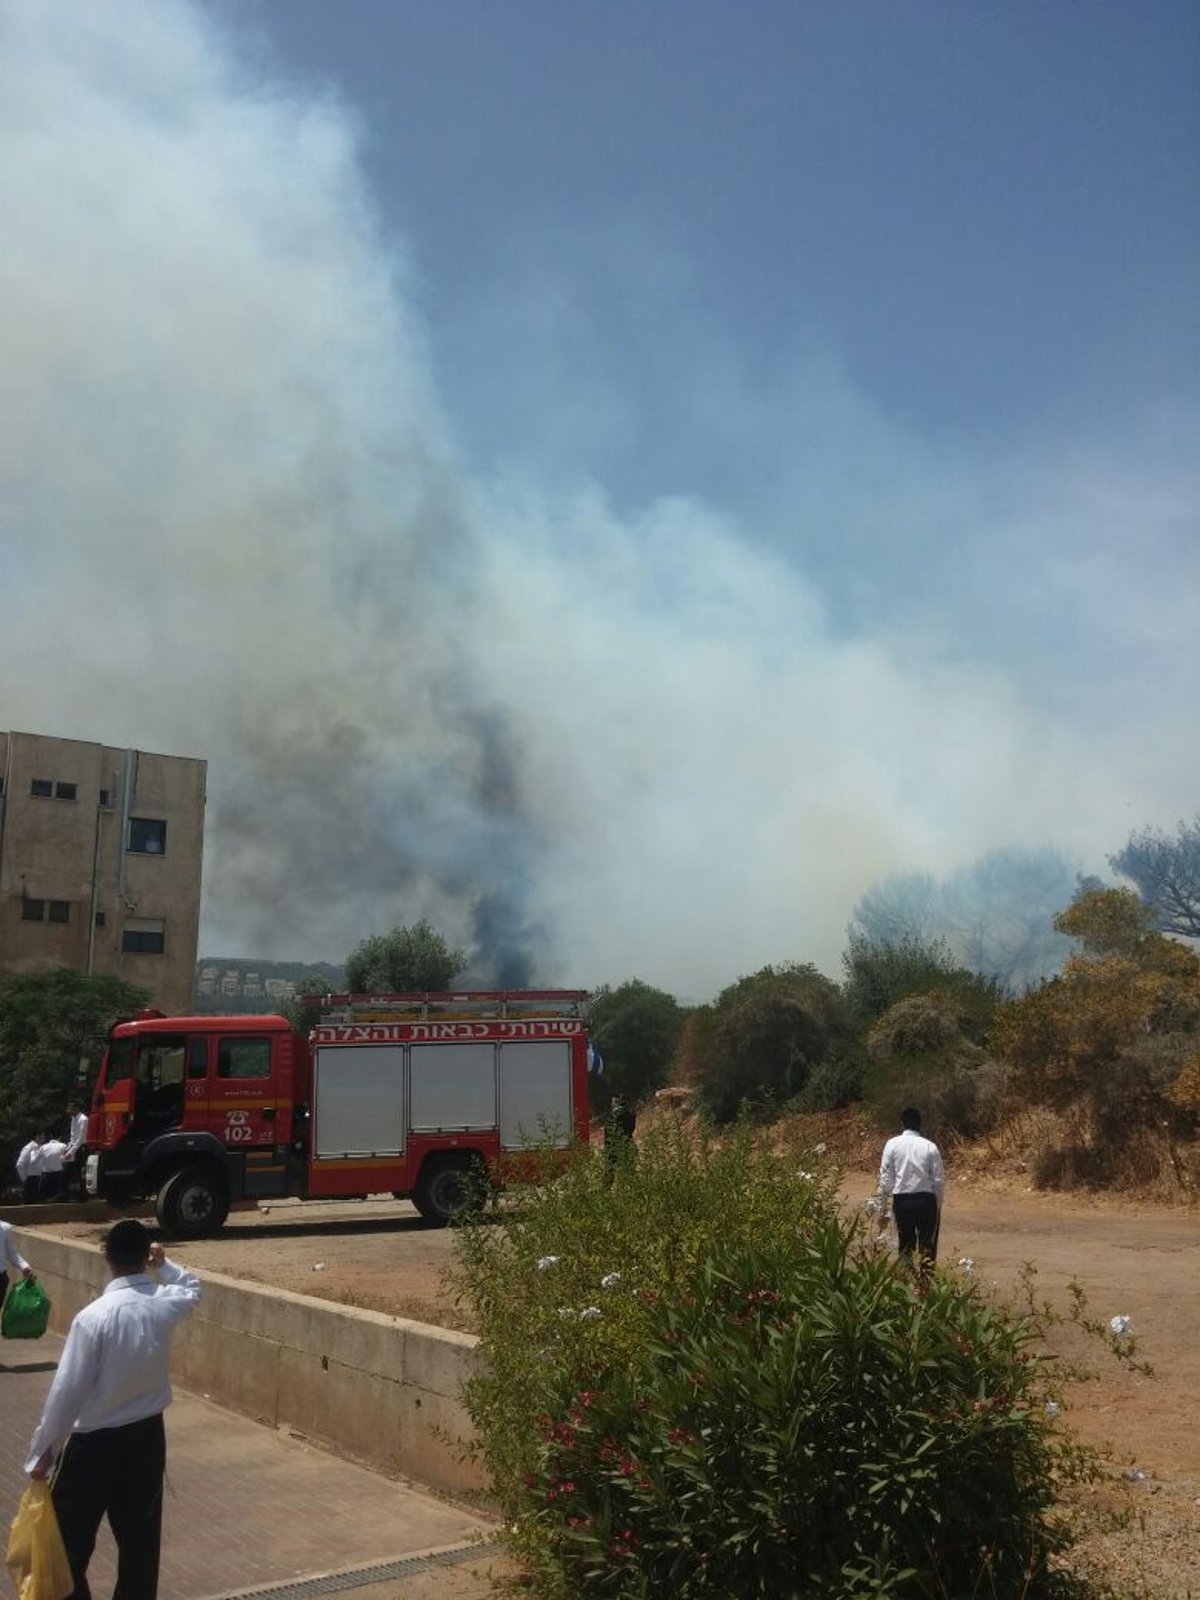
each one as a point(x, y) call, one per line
point(987, 213)
point(683, 460)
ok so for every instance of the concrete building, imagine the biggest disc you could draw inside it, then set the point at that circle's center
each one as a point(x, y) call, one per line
point(100, 854)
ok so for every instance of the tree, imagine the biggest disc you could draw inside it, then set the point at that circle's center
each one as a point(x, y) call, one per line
point(1109, 1038)
point(49, 1023)
point(880, 974)
point(1108, 922)
point(636, 1029)
point(766, 1034)
point(1167, 873)
point(995, 914)
point(410, 958)
point(305, 1008)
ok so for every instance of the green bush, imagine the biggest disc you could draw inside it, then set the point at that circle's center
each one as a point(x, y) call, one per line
point(764, 1037)
point(700, 1381)
point(833, 1083)
point(920, 1054)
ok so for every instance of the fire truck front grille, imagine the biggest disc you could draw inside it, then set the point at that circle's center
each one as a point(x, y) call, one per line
point(360, 1577)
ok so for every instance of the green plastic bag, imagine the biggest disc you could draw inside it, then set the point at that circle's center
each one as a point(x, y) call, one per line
point(36, 1556)
point(26, 1311)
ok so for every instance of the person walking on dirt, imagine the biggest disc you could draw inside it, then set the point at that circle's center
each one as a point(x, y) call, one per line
point(101, 1429)
point(911, 1172)
point(11, 1259)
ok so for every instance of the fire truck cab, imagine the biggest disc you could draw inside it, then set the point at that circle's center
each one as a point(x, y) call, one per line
point(409, 1094)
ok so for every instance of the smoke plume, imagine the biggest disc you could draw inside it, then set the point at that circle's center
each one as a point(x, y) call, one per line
point(584, 743)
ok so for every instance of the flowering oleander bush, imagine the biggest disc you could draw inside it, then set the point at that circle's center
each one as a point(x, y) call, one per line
point(702, 1382)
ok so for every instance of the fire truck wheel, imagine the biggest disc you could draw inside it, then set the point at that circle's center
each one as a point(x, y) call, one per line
point(193, 1203)
point(447, 1188)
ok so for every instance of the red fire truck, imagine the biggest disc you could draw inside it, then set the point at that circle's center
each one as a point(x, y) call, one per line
point(408, 1094)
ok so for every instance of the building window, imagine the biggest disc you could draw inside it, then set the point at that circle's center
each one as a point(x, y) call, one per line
point(32, 910)
point(59, 910)
point(42, 789)
point(65, 791)
point(244, 1058)
point(100, 919)
point(147, 836)
point(104, 797)
point(144, 937)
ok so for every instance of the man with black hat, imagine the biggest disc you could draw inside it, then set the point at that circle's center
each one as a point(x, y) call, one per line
point(101, 1430)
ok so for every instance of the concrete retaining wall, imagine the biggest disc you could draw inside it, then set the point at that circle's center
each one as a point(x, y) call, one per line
point(379, 1389)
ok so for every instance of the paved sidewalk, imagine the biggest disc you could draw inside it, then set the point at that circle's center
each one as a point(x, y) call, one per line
point(248, 1507)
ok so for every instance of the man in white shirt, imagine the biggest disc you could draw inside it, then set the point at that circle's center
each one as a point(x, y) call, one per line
point(102, 1426)
point(10, 1259)
point(911, 1172)
point(53, 1153)
point(76, 1156)
point(29, 1169)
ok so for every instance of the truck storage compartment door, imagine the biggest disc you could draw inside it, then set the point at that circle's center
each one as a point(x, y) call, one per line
point(358, 1100)
point(535, 1092)
point(452, 1087)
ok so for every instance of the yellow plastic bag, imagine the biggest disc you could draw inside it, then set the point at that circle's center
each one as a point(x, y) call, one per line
point(37, 1557)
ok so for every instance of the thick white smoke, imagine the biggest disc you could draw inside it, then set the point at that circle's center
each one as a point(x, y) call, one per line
point(234, 526)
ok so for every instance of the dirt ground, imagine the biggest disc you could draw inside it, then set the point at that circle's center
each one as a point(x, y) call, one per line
point(1138, 1261)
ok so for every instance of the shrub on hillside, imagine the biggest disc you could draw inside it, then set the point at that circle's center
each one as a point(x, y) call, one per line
point(921, 1054)
point(699, 1381)
point(765, 1035)
point(880, 973)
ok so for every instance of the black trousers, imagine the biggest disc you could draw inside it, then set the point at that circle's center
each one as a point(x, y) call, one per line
point(115, 1473)
point(917, 1224)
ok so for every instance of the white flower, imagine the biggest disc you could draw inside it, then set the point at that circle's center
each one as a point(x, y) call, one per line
point(1052, 1408)
point(966, 1265)
point(547, 1261)
point(1121, 1326)
point(610, 1280)
point(1137, 1475)
point(819, 1149)
point(807, 1176)
point(567, 1312)
point(590, 1313)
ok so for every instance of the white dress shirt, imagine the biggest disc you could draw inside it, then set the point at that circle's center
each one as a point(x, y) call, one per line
point(10, 1256)
point(52, 1155)
point(911, 1164)
point(79, 1124)
point(29, 1162)
point(115, 1365)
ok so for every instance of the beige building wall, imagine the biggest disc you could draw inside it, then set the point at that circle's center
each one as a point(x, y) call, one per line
point(100, 852)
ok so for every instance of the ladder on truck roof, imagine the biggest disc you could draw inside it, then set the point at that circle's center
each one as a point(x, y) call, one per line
point(448, 1005)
